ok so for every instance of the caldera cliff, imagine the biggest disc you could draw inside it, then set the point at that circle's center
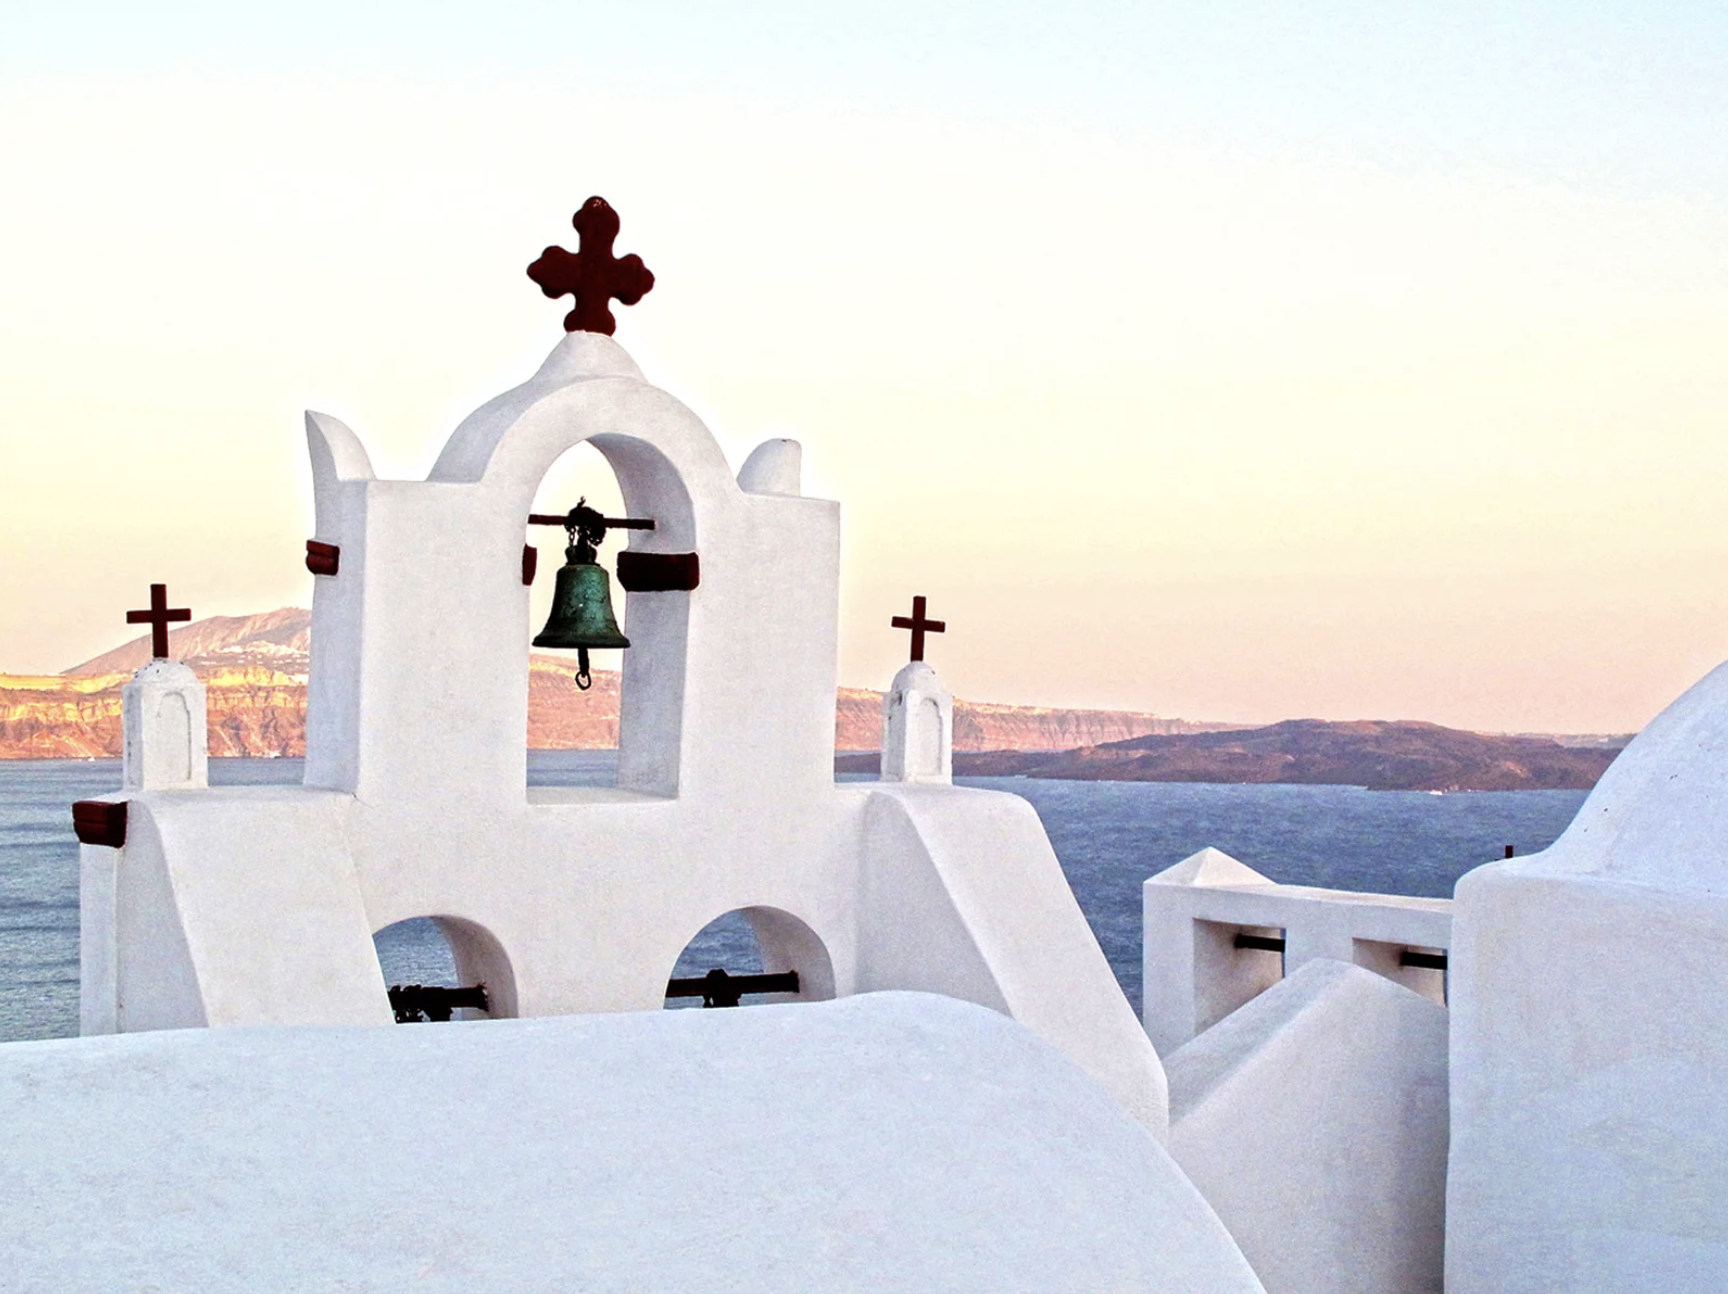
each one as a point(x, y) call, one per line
point(255, 668)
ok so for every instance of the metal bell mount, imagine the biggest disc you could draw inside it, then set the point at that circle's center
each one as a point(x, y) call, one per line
point(581, 617)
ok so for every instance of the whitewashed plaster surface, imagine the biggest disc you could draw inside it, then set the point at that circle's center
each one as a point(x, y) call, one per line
point(917, 727)
point(1590, 1035)
point(891, 1142)
point(1313, 1120)
point(164, 741)
point(254, 905)
point(1195, 976)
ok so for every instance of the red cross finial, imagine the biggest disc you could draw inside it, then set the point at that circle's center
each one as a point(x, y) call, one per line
point(919, 625)
point(157, 617)
point(592, 274)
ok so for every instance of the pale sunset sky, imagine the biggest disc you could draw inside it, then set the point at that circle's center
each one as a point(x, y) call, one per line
point(1341, 359)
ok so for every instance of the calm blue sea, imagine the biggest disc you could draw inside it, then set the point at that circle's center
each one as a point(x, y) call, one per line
point(1110, 837)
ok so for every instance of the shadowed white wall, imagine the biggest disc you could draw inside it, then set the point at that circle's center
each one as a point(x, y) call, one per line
point(1590, 1034)
point(1314, 1121)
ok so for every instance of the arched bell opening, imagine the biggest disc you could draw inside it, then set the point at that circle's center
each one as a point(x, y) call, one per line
point(751, 955)
point(625, 727)
point(444, 968)
point(572, 733)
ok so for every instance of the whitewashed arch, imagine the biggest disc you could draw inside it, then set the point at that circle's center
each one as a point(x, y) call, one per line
point(787, 942)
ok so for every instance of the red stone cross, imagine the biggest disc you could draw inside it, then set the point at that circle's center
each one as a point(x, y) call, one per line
point(157, 617)
point(919, 625)
point(592, 274)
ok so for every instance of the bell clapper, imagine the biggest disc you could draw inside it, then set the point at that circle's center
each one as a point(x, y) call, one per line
point(584, 680)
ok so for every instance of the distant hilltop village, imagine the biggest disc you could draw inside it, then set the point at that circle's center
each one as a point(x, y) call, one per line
point(256, 666)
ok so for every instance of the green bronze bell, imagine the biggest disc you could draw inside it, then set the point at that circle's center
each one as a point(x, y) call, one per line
point(581, 610)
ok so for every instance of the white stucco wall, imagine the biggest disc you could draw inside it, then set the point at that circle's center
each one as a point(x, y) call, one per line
point(962, 894)
point(98, 940)
point(253, 905)
point(891, 1142)
point(1590, 1035)
point(1313, 1120)
point(164, 741)
point(917, 727)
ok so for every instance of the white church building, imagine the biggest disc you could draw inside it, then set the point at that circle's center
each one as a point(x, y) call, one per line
point(1517, 1090)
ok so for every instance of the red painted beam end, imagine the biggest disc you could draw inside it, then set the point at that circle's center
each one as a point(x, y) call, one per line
point(322, 559)
point(100, 822)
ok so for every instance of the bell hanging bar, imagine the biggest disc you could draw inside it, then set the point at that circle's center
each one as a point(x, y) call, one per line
point(581, 617)
point(607, 523)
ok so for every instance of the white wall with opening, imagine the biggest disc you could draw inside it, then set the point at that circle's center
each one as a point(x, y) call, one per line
point(445, 952)
point(756, 941)
point(562, 717)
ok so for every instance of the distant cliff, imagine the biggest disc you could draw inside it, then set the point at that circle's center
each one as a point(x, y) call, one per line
point(255, 668)
point(1382, 756)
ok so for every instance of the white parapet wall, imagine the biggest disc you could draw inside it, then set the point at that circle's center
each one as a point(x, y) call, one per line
point(1211, 924)
point(1313, 1120)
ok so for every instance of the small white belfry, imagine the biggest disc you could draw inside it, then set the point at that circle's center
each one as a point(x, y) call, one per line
point(918, 713)
point(163, 711)
point(163, 719)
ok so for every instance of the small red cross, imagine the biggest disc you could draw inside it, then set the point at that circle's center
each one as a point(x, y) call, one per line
point(157, 617)
point(919, 625)
point(591, 273)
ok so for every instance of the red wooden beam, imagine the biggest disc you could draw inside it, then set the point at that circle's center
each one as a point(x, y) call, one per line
point(100, 822)
point(323, 559)
point(658, 572)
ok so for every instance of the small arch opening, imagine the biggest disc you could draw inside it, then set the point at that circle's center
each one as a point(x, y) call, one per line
point(444, 968)
point(751, 955)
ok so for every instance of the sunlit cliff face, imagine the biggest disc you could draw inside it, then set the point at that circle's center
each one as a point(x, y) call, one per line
point(255, 669)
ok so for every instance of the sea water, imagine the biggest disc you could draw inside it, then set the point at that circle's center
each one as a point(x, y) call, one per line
point(1109, 836)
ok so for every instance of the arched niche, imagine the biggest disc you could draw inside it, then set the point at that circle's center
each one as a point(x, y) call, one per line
point(448, 952)
point(758, 939)
point(669, 468)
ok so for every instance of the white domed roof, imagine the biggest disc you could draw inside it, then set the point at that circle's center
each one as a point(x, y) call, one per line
point(885, 1142)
